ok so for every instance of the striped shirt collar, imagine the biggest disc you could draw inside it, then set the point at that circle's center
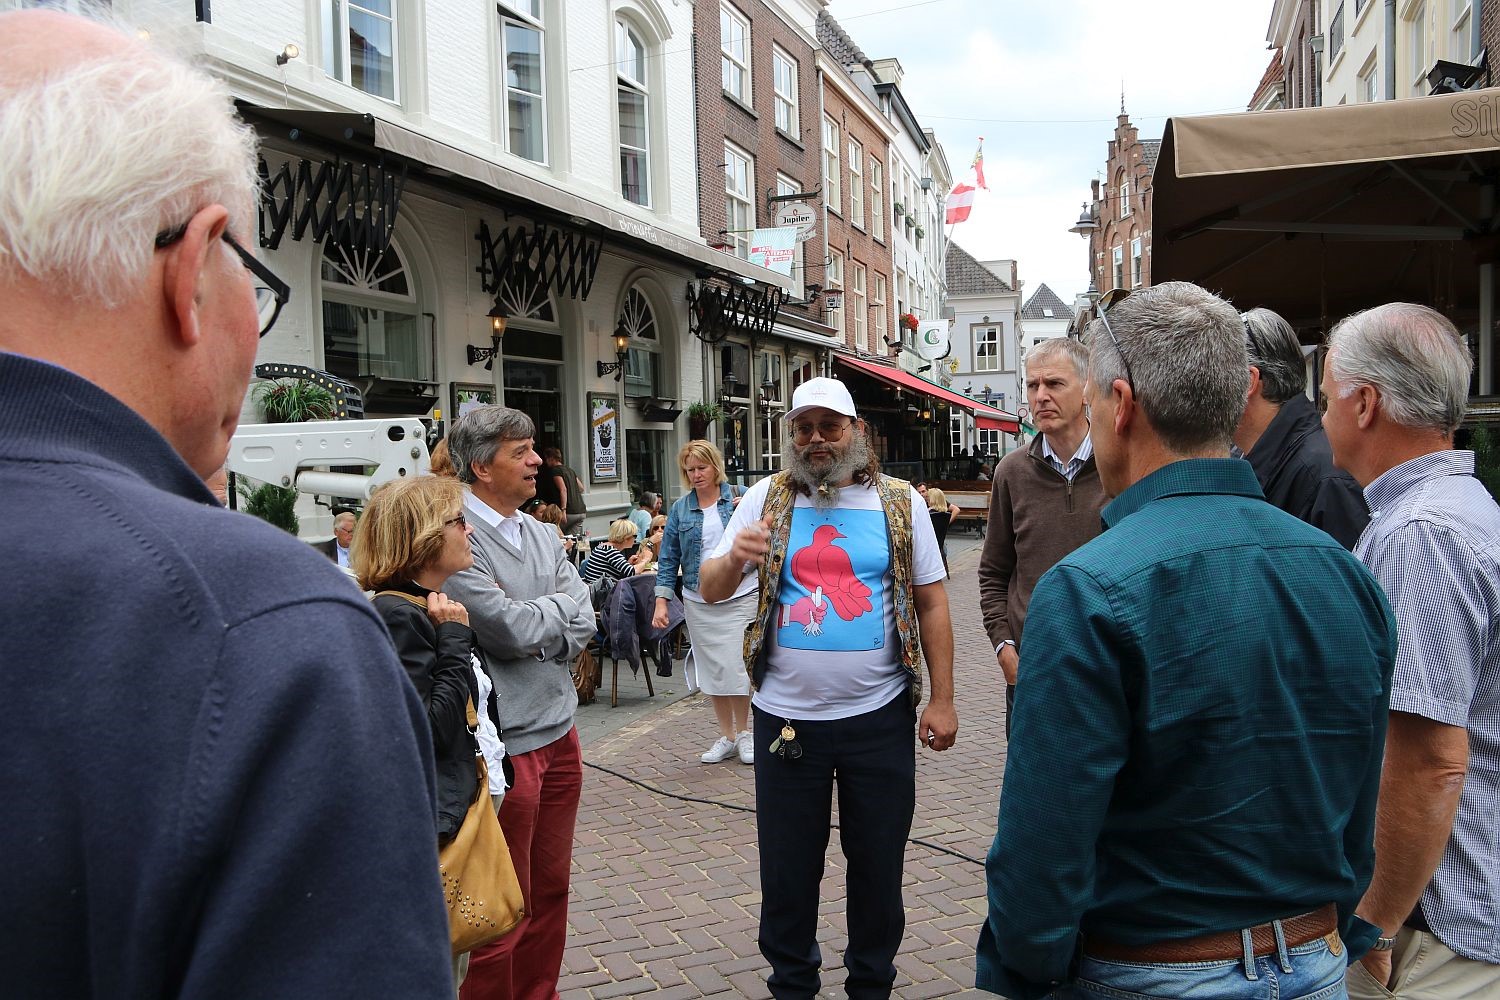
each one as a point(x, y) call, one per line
point(1389, 488)
point(1069, 468)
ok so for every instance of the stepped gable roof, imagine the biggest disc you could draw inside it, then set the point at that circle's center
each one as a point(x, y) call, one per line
point(1043, 299)
point(966, 276)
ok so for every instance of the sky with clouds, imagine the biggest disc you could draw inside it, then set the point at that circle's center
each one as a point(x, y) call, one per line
point(1040, 81)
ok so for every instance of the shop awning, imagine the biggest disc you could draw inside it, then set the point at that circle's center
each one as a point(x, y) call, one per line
point(450, 167)
point(1317, 212)
point(999, 419)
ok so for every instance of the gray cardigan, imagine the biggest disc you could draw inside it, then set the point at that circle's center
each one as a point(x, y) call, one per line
point(532, 615)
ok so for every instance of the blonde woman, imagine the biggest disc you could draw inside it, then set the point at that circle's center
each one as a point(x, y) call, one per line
point(943, 514)
point(694, 526)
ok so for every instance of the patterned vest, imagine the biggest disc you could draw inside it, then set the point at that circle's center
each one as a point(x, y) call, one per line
point(895, 500)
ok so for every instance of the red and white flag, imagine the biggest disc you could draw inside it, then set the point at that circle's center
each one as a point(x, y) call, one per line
point(960, 204)
point(979, 165)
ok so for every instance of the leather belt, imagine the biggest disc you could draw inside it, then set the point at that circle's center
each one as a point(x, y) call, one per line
point(1223, 945)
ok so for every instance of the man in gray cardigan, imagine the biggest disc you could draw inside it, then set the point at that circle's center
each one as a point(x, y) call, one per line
point(532, 615)
point(1044, 503)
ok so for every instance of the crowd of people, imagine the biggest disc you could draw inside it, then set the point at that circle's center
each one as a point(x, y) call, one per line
point(1251, 652)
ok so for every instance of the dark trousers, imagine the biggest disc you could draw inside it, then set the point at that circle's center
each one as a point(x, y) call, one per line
point(1010, 707)
point(872, 759)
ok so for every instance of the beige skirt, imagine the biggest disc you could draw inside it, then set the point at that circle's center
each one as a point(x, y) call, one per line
point(718, 635)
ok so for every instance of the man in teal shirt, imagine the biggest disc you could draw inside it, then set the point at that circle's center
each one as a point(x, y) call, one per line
point(1189, 796)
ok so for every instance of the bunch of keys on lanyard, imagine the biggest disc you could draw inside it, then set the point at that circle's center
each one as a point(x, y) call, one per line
point(786, 744)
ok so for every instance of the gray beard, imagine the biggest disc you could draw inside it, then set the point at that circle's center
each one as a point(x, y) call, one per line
point(824, 482)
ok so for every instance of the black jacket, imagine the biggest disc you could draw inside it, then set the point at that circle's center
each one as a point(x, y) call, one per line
point(1295, 467)
point(436, 659)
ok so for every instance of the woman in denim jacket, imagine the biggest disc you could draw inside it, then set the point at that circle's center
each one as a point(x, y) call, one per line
point(694, 527)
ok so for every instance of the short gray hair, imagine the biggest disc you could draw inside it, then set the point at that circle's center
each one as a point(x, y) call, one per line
point(648, 499)
point(1188, 368)
point(1413, 355)
point(106, 153)
point(1069, 348)
point(479, 434)
point(1274, 349)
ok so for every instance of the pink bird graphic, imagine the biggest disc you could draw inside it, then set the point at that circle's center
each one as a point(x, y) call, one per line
point(825, 571)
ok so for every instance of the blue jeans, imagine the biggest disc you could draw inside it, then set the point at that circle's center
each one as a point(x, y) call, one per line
point(1310, 971)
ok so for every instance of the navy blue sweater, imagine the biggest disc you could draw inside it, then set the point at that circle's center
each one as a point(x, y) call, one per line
point(216, 778)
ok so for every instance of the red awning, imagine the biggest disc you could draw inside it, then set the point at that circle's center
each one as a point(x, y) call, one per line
point(984, 416)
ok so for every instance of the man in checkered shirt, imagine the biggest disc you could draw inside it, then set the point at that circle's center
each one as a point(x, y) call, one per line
point(1396, 383)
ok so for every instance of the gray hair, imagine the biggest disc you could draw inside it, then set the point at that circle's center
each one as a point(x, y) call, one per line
point(1067, 347)
point(106, 153)
point(1188, 368)
point(1274, 349)
point(648, 499)
point(479, 434)
point(1413, 355)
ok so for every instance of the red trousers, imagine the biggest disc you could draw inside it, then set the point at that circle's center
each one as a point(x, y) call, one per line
point(537, 814)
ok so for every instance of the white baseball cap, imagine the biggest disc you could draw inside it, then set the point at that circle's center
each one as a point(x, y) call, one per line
point(826, 392)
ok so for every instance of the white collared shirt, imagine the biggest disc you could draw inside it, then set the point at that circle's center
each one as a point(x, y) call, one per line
point(342, 554)
point(509, 527)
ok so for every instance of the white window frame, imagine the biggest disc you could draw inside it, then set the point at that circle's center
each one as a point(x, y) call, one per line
point(784, 84)
point(734, 66)
point(834, 279)
point(1417, 39)
point(624, 82)
point(509, 12)
point(877, 199)
point(788, 185)
point(336, 44)
point(988, 335)
point(1136, 263)
point(1125, 198)
point(859, 306)
point(744, 198)
point(955, 430)
point(1460, 45)
point(856, 183)
point(880, 323)
point(832, 167)
point(1118, 259)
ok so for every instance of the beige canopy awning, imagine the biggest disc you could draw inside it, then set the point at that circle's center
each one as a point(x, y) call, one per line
point(1318, 212)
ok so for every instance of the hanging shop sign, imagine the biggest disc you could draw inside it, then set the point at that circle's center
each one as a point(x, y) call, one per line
point(774, 249)
point(833, 300)
point(354, 204)
point(798, 215)
point(932, 339)
point(604, 439)
point(564, 259)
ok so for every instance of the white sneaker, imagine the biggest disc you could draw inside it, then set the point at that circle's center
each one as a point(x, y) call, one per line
point(722, 750)
point(745, 744)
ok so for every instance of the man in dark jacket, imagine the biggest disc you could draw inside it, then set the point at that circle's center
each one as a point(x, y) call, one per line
point(1282, 436)
point(218, 781)
point(560, 485)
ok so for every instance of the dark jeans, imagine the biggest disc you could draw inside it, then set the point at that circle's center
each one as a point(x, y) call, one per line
point(872, 758)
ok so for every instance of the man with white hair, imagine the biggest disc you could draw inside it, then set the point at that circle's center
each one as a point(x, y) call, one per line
point(851, 600)
point(218, 780)
point(1189, 793)
point(1396, 380)
point(337, 547)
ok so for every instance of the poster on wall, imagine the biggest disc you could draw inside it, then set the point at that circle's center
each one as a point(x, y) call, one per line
point(604, 439)
point(774, 249)
point(467, 396)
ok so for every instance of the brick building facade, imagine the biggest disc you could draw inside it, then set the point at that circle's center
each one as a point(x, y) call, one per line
point(1120, 244)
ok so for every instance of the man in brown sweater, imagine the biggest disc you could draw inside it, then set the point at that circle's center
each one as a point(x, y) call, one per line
point(1044, 502)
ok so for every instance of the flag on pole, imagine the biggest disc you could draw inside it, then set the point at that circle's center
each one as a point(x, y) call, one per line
point(960, 204)
point(979, 165)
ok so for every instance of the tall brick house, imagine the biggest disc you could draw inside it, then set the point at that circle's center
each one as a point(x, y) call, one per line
point(1120, 244)
point(759, 139)
point(1294, 78)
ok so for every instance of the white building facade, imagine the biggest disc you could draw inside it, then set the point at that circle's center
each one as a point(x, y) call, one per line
point(985, 357)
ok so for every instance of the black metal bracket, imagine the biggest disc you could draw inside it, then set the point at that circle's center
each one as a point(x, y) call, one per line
point(564, 259)
point(605, 367)
point(354, 203)
point(485, 354)
point(720, 307)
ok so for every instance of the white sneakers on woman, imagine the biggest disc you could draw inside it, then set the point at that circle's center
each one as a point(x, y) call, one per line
point(724, 748)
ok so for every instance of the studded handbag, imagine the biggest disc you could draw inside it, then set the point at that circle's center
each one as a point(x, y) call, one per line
point(479, 880)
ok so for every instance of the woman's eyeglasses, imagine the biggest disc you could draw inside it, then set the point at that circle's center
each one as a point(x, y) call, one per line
point(460, 520)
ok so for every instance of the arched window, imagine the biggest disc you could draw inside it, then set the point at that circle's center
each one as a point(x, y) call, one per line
point(372, 319)
point(643, 363)
point(633, 100)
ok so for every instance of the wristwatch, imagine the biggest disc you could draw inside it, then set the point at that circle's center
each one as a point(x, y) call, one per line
point(1383, 944)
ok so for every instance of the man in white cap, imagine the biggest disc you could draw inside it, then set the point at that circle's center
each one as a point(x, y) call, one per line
point(851, 596)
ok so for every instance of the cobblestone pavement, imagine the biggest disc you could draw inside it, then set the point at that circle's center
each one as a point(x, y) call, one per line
point(666, 890)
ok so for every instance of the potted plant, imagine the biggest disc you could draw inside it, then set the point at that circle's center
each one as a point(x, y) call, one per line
point(271, 503)
point(292, 401)
point(700, 415)
point(921, 233)
point(909, 322)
